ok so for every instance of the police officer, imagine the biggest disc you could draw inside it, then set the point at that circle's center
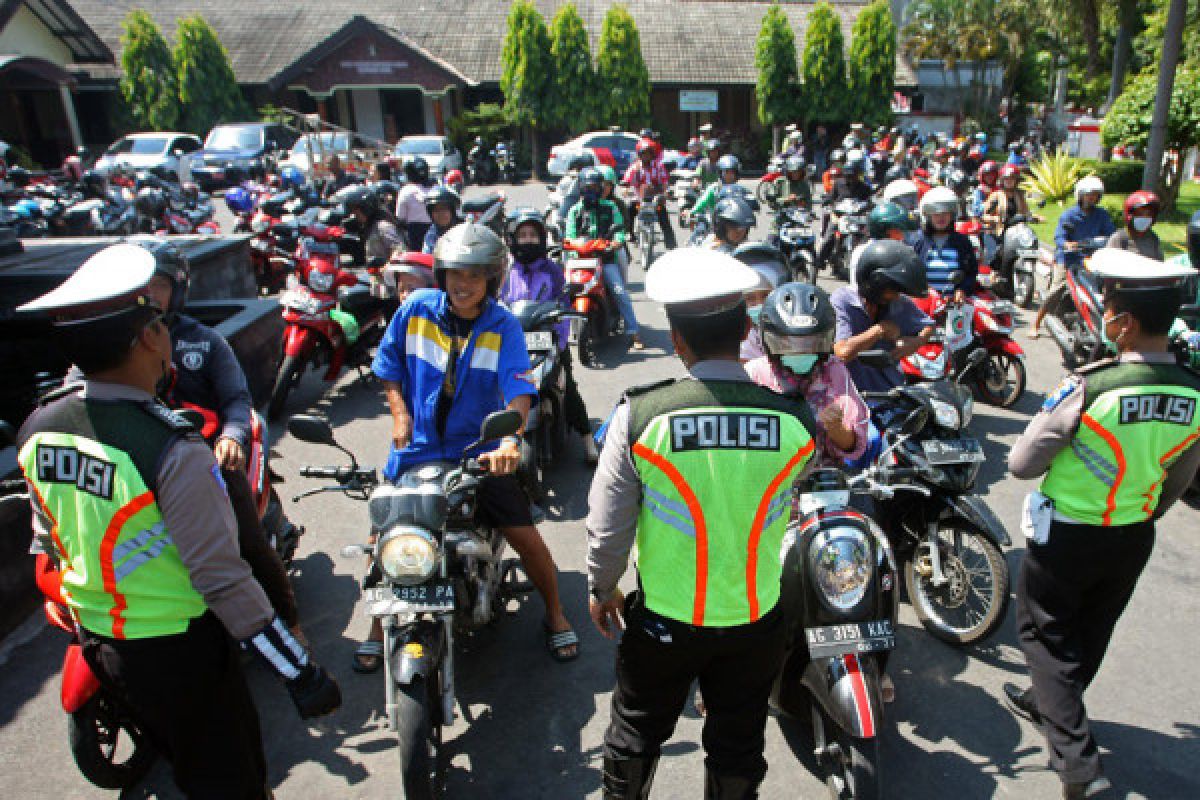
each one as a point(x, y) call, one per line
point(1116, 443)
point(698, 473)
point(129, 500)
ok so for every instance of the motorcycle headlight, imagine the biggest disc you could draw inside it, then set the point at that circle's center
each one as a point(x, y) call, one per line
point(842, 567)
point(1027, 239)
point(407, 555)
point(320, 281)
point(945, 414)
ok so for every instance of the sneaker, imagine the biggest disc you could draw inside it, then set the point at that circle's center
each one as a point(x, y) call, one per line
point(1083, 791)
point(1022, 703)
point(591, 453)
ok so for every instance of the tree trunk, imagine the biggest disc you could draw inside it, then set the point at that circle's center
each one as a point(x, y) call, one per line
point(1128, 16)
point(1089, 13)
point(774, 139)
point(535, 166)
point(1152, 177)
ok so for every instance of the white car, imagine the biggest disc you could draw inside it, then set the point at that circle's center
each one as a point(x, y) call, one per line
point(316, 148)
point(149, 150)
point(616, 149)
point(438, 152)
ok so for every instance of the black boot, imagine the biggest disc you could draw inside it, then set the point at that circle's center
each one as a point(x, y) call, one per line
point(628, 778)
point(730, 787)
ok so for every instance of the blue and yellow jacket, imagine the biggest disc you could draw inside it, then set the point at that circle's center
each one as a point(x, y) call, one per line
point(492, 370)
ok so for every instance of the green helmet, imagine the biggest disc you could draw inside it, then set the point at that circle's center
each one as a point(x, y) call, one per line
point(608, 173)
point(886, 216)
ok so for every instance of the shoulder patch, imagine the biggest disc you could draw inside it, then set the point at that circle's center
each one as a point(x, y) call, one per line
point(1061, 392)
point(59, 392)
point(167, 417)
point(646, 388)
point(1095, 366)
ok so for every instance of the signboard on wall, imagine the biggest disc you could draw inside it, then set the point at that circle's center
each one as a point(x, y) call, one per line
point(697, 99)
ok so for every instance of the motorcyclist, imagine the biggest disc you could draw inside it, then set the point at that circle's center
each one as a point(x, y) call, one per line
point(708, 171)
point(608, 191)
point(534, 276)
point(568, 185)
point(792, 187)
point(476, 157)
point(888, 220)
point(597, 218)
point(732, 220)
point(793, 146)
point(878, 313)
point(1006, 202)
point(1085, 220)
point(410, 205)
point(380, 231)
point(850, 186)
point(441, 204)
point(1138, 236)
point(694, 154)
point(944, 250)
point(338, 177)
point(647, 178)
point(407, 272)
point(450, 357)
point(730, 169)
point(1016, 155)
point(833, 171)
point(904, 193)
point(454, 181)
point(988, 176)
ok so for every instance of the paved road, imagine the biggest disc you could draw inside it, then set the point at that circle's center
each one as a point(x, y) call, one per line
point(531, 728)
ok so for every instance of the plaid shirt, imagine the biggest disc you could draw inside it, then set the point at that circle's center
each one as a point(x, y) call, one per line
point(639, 177)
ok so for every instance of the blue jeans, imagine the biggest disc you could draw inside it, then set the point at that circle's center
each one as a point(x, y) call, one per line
point(616, 284)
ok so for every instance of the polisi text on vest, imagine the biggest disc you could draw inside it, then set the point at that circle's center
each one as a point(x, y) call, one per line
point(724, 431)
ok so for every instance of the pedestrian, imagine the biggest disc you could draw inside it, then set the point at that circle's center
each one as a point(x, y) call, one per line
point(712, 457)
point(1116, 444)
point(131, 505)
point(410, 203)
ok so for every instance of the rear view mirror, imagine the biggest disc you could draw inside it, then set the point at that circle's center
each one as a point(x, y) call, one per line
point(879, 359)
point(499, 424)
point(308, 428)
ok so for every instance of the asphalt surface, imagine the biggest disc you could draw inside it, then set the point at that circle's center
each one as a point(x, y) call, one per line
point(531, 728)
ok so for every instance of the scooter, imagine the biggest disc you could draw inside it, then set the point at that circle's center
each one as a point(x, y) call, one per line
point(1015, 263)
point(596, 313)
point(797, 240)
point(332, 317)
point(839, 593)
point(765, 191)
point(1074, 319)
point(851, 231)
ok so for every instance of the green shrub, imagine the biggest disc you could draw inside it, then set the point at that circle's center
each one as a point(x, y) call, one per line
point(1052, 177)
point(1120, 177)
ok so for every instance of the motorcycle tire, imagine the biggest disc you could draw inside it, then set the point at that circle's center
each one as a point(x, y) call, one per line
point(645, 248)
point(992, 380)
point(932, 604)
point(765, 192)
point(94, 734)
point(1023, 291)
point(291, 369)
point(586, 344)
point(856, 777)
point(417, 740)
point(803, 270)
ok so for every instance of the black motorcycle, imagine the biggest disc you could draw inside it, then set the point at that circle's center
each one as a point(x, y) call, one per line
point(850, 232)
point(839, 595)
point(1015, 262)
point(796, 238)
point(948, 540)
point(436, 572)
point(481, 166)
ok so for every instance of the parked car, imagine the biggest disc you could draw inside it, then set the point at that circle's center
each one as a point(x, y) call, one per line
point(239, 151)
point(318, 147)
point(146, 151)
point(615, 149)
point(439, 152)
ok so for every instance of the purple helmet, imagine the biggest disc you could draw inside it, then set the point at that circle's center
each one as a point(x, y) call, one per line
point(239, 200)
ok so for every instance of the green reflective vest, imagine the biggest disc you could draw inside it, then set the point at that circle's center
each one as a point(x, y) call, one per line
point(717, 460)
point(92, 464)
point(1138, 418)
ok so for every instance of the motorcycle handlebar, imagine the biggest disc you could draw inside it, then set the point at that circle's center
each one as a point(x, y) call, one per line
point(339, 474)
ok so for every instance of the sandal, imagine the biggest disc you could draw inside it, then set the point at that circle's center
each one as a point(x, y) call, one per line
point(559, 641)
point(887, 688)
point(368, 657)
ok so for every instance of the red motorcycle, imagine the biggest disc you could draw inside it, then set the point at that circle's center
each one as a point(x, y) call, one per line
point(597, 313)
point(332, 318)
point(983, 322)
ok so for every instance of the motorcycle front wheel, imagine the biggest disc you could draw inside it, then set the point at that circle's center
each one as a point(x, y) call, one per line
point(110, 750)
point(972, 602)
point(765, 193)
point(1001, 379)
point(417, 740)
point(1023, 291)
point(291, 369)
point(586, 344)
point(646, 246)
point(852, 768)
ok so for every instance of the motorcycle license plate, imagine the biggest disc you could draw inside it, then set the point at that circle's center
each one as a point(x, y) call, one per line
point(952, 451)
point(432, 596)
point(851, 637)
point(539, 340)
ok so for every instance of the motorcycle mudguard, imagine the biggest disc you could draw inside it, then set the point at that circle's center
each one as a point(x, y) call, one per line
point(975, 511)
point(419, 656)
point(1005, 345)
point(298, 341)
point(847, 688)
point(79, 683)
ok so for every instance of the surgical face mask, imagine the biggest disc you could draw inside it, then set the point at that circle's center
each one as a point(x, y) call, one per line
point(1142, 224)
point(528, 252)
point(1109, 344)
point(754, 312)
point(801, 364)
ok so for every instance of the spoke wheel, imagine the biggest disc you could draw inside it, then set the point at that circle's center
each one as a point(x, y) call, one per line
point(971, 604)
point(1001, 379)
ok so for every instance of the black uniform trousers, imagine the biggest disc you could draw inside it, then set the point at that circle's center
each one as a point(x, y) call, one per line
point(1070, 594)
point(188, 693)
point(658, 659)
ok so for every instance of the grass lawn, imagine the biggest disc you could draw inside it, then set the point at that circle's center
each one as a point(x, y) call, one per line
point(1171, 230)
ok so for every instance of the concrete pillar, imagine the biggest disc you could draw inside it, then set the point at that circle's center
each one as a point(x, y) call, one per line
point(368, 112)
point(342, 98)
point(430, 117)
point(69, 110)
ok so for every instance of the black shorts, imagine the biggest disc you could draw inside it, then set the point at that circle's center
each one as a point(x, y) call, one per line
point(502, 503)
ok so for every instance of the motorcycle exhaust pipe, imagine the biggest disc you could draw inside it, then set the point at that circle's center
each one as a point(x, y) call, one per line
point(1064, 338)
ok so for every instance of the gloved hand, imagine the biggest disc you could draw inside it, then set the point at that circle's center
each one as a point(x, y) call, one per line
point(314, 692)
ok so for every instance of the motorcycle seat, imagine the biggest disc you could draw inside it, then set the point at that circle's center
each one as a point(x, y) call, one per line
point(482, 203)
point(358, 301)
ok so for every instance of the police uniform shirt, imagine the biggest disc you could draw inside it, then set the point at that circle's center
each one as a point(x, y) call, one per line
point(191, 495)
point(1056, 424)
point(615, 498)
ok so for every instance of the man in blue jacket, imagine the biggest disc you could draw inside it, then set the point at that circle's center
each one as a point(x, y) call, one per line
point(450, 357)
point(1085, 220)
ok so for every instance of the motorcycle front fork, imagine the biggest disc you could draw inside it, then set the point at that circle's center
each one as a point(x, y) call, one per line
point(931, 565)
point(394, 632)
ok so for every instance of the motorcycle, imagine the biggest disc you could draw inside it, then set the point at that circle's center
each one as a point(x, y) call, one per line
point(596, 313)
point(487, 210)
point(436, 572)
point(984, 322)
point(1016, 262)
point(332, 317)
point(840, 596)
point(797, 241)
point(112, 215)
point(949, 542)
point(765, 191)
point(645, 229)
point(506, 163)
point(851, 231)
point(1074, 319)
point(481, 166)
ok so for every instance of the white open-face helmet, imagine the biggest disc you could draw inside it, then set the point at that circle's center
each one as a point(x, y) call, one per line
point(1088, 185)
point(937, 200)
point(903, 193)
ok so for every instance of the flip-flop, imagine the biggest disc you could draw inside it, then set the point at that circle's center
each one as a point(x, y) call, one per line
point(371, 649)
point(557, 641)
